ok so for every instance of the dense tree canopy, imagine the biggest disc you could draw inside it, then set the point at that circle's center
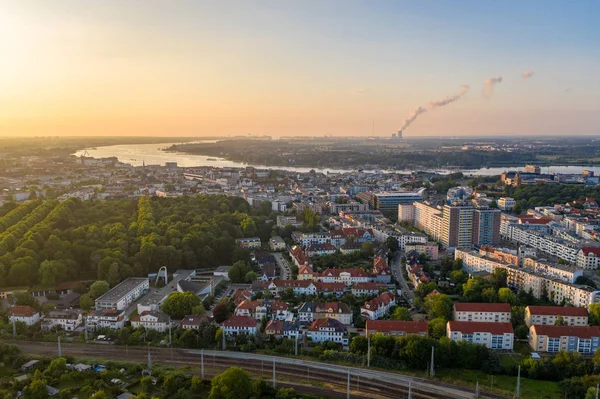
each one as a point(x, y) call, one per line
point(179, 304)
point(233, 383)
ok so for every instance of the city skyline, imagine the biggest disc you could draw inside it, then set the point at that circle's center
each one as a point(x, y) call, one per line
point(310, 69)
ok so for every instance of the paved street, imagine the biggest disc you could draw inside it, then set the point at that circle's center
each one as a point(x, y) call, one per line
point(399, 275)
point(285, 273)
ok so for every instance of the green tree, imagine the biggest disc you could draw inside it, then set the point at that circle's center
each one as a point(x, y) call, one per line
point(23, 298)
point(233, 383)
point(594, 310)
point(221, 312)
point(439, 306)
point(560, 321)
point(51, 272)
point(198, 310)
point(437, 328)
point(179, 304)
point(367, 249)
point(98, 288)
point(392, 243)
point(36, 390)
point(86, 302)
point(498, 278)
point(505, 295)
point(401, 313)
point(251, 276)
point(521, 332)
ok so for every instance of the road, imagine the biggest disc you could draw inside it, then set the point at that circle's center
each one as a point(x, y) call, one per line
point(188, 357)
point(399, 276)
point(285, 273)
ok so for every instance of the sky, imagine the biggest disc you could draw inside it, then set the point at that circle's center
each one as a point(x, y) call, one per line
point(310, 68)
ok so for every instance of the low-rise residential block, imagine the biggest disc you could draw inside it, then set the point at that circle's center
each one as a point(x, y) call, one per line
point(482, 312)
point(396, 327)
point(547, 315)
point(492, 335)
point(582, 339)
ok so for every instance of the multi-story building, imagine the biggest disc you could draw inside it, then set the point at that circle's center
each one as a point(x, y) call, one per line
point(379, 306)
point(492, 335)
point(396, 327)
point(328, 329)
point(429, 248)
point(549, 244)
point(283, 221)
point(106, 318)
point(535, 281)
point(277, 244)
point(123, 294)
point(239, 325)
point(457, 226)
point(547, 315)
point(588, 258)
point(370, 288)
point(352, 206)
point(486, 226)
point(283, 329)
point(67, 320)
point(482, 312)
point(191, 322)
point(582, 339)
point(24, 314)
point(506, 203)
point(389, 201)
point(154, 320)
point(310, 311)
point(429, 219)
point(249, 243)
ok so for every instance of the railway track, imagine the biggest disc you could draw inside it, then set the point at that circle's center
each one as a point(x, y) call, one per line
point(304, 376)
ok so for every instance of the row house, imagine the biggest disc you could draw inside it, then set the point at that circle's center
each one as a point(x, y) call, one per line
point(283, 329)
point(340, 237)
point(239, 325)
point(381, 270)
point(553, 339)
point(302, 287)
point(106, 318)
point(310, 311)
point(350, 248)
point(547, 315)
point(320, 249)
point(396, 327)
point(307, 239)
point(492, 335)
point(67, 320)
point(482, 312)
point(249, 243)
point(328, 330)
point(153, 320)
point(262, 308)
point(530, 280)
point(379, 306)
point(368, 288)
point(346, 276)
point(299, 258)
point(24, 314)
point(416, 274)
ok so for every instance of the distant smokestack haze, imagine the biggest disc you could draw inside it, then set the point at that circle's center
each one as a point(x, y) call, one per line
point(433, 105)
point(489, 84)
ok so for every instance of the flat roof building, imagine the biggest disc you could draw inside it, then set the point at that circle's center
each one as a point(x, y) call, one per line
point(123, 294)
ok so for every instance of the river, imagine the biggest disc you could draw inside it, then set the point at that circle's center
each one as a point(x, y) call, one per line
point(152, 154)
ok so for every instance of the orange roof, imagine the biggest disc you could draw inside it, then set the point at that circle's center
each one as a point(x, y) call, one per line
point(239, 321)
point(326, 322)
point(250, 305)
point(567, 331)
point(591, 250)
point(558, 310)
point(387, 326)
point(22, 311)
point(471, 327)
point(482, 307)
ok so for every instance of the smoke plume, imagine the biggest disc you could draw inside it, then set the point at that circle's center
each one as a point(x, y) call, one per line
point(527, 74)
point(449, 99)
point(433, 105)
point(489, 85)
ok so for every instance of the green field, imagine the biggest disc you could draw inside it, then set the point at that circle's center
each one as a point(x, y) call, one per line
point(502, 384)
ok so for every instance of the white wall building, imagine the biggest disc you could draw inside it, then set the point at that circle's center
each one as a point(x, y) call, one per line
point(493, 335)
point(482, 312)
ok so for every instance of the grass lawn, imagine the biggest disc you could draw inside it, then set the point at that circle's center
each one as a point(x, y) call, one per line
point(502, 384)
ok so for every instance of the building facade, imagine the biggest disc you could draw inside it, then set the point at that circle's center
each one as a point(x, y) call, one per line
point(498, 336)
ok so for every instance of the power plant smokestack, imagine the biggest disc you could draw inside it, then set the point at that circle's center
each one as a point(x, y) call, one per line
point(489, 85)
point(432, 105)
point(527, 74)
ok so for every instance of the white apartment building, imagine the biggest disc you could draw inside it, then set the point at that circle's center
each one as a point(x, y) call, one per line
point(155, 320)
point(588, 258)
point(326, 329)
point(492, 335)
point(106, 318)
point(547, 315)
point(429, 219)
point(553, 339)
point(482, 312)
point(24, 314)
point(528, 279)
point(506, 203)
point(67, 320)
point(123, 294)
point(379, 306)
point(543, 242)
point(239, 325)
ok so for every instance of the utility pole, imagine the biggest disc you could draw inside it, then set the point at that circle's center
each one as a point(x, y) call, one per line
point(14, 323)
point(170, 341)
point(369, 351)
point(149, 359)
point(518, 391)
point(59, 349)
point(348, 387)
point(86, 329)
point(202, 362)
point(432, 371)
point(274, 377)
point(477, 390)
point(296, 347)
point(597, 386)
point(224, 346)
point(409, 389)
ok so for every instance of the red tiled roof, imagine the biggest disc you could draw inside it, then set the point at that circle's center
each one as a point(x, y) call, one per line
point(567, 331)
point(239, 321)
point(305, 269)
point(330, 287)
point(22, 311)
point(250, 305)
point(471, 327)
point(534, 220)
point(482, 307)
point(327, 322)
point(274, 325)
point(387, 326)
point(369, 285)
point(335, 307)
point(558, 310)
point(591, 250)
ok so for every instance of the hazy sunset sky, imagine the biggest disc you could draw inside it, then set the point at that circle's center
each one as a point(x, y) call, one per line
point(125, 67)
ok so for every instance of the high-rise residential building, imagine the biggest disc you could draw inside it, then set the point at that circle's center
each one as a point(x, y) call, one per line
point(389, 201)
point(457, 226)
point(486, 226)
